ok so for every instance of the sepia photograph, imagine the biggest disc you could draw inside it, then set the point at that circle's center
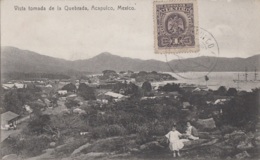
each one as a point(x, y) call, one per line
point(130, 79)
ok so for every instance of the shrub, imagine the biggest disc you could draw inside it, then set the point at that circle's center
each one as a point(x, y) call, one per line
point(225, 129)
point(69, 87)
point(71, 103)
point(67, 149)
point(108, 131)
point(132, 128)
point(170, 87)
point(99, 132)
point(37, 125)
point(88, 93)
point(242, 110)
point(68, 124)
point(147, 87)
point(143, 134)
point(115, 130)
point(29, 147)
point(222, 90)
point(158, 130)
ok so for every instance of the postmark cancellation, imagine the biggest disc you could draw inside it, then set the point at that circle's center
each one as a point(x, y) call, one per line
point(176, 26)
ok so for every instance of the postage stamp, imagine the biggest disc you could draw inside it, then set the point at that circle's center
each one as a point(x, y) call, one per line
point(175, 26)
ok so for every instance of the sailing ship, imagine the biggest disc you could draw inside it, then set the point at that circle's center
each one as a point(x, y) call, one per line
point(255, 80)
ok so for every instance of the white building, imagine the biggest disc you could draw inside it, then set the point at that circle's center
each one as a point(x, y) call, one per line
point(62, 92)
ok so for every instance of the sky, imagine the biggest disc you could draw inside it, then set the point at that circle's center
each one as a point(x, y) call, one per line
point(73, 35)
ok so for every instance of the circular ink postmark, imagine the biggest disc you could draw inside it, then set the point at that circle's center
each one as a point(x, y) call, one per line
point(188, 65)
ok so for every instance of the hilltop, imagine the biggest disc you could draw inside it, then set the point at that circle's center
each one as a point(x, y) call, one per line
point(17, 60)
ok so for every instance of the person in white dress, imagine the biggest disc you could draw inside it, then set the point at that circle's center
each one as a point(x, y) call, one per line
point(175, 143)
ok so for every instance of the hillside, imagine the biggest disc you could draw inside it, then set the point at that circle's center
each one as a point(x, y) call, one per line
point(105, 61)
point(217, 64)
point(17, 60)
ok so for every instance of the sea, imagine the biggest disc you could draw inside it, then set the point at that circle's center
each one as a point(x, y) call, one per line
point(216, 79)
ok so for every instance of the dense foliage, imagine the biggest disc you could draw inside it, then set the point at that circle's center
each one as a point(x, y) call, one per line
point(88, 93)
point(69, 87)
point(128, 89)
point(170, 87)
point(147, 117)
point(15, 99)
point(143, 118)
point(232, 92)
point(222, 91)
point(108, 74)
point(243, 110)
point(143, 76)
point(38, 124)
point(147, 87)
point(71, 103)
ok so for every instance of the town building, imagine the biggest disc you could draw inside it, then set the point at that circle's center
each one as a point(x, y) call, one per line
point(9, 118)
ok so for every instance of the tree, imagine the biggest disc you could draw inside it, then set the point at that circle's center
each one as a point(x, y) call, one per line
point(82, 87)
point(88, 93)
point(71, 103)
point(69, 87)
point(109, 73)
point(154, 72)
point(132, 89)
point(122, 72)
point(54, 101)
point(222, 90)
point(170, 87)
point(242, 111)
point(14, 99)
point(147, 87)
point(37, 107)
point(142, 73)
point(38, 124)
point(232, 92)
point(61, 125)
point(12, 102)
point(118, 86)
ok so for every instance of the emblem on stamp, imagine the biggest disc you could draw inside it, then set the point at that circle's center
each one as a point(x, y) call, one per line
point(176, 26)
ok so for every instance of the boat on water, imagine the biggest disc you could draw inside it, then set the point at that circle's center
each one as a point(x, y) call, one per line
point(255, 80)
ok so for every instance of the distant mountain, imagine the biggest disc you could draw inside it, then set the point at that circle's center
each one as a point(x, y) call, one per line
point(17, 60)
point(220, 64)
point(106, 61)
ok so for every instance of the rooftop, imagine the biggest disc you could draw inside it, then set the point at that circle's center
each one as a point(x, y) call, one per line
point(7, 116)
point(115, 95)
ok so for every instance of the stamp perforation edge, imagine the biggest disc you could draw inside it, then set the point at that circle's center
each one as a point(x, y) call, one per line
point(185, 49)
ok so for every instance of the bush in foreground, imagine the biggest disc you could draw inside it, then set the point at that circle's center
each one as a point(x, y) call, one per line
point(108, 131)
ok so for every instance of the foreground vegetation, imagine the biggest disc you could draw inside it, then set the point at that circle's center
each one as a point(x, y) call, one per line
point(138, 126)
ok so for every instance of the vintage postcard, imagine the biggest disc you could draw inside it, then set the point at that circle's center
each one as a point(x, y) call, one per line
point(130, 79)
point(176, 28)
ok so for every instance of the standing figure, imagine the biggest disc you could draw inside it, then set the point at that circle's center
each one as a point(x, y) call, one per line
point(191, 132)
point(175, 143)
